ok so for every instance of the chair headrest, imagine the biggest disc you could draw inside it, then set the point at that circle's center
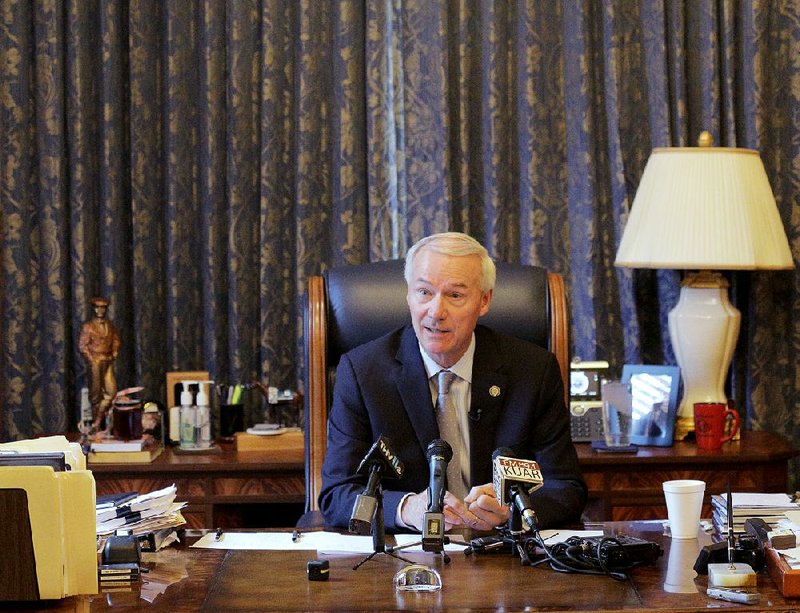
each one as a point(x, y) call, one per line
point(369, 300)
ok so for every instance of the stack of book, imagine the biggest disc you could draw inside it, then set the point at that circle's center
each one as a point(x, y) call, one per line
point(769, 507)
point(117, 575)
point(141, 514)
point(113, 451)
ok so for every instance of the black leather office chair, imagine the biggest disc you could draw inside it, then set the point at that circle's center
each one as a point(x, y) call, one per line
point(351, 305)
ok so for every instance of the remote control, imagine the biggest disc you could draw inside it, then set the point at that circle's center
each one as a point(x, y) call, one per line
point(733, 595)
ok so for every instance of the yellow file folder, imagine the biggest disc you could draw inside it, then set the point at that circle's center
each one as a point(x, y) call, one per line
point(61, 516)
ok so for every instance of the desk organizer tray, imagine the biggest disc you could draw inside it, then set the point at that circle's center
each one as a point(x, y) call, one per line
point(786, 579)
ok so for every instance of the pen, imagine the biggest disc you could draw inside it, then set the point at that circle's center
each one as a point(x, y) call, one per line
point(218, 535)
point(237, 394)
point(730, 527)
point(296, 536)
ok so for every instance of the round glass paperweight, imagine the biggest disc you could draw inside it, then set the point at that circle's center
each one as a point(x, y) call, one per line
point(417, 578)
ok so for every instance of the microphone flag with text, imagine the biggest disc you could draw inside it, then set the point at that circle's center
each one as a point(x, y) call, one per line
point(514, 479)
point(380, 462)
point(439, 453)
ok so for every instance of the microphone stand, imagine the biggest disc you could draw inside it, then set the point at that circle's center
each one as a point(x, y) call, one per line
point(515, 534)
point(379, 534)
point(446, 540)
point(438, 549)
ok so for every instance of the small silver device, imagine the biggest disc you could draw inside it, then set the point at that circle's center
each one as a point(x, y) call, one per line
point(733, 595)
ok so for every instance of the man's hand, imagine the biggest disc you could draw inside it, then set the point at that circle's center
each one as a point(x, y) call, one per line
point(484, 505)
point(478, 511)
point(413, 509)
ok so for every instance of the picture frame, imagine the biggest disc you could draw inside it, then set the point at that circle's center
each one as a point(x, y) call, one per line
point(654, 396)
point(174, 379)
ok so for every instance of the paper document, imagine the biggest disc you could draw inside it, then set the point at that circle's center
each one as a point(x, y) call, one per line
point(327, 542)
point(760, 499)
point(333, 542)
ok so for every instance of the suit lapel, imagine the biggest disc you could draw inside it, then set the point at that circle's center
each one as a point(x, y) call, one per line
point(412, 385)
point(488, 398)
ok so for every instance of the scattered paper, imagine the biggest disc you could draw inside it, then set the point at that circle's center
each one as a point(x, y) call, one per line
point(327, 542)
point(333, 542)
point(759, 499)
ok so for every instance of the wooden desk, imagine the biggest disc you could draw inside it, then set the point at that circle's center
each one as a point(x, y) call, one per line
point(625, 486)
point(229, 489)
point(216, 580)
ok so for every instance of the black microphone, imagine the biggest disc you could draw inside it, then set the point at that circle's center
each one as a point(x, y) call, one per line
point(439, 453)
point(380, 461)
point(514, 480)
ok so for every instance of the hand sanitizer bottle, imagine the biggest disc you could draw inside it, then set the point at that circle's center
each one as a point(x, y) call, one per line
point(203, 415)
point(188, 413)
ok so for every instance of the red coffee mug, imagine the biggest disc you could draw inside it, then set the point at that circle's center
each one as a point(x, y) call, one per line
point(710, 419)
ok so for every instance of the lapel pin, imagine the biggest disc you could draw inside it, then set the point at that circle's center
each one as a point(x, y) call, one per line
point(494, 391)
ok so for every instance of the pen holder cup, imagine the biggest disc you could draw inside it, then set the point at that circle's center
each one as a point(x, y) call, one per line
point(231, 420)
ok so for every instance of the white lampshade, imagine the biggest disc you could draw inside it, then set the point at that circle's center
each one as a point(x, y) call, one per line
point(704, 209)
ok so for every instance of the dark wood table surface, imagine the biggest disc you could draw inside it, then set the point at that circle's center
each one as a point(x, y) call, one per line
point(185, 579)
point(626, 487)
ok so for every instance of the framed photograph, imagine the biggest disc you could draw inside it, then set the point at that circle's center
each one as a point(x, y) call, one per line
point(654, 399)
point(174, 386)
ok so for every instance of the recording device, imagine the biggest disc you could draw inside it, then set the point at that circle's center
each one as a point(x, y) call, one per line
point(585, 400)
point(318, 570)
point(621, 551)
point(380, 461)
point(733, 595)
point(605, 553)
point(514, 480)
point(439, 454)
point(746, 550)
point(488, 544)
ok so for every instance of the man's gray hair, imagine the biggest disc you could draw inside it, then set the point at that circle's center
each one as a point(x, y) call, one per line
point(454, 244)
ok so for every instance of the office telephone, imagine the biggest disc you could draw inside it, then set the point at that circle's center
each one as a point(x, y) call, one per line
point(586, 405)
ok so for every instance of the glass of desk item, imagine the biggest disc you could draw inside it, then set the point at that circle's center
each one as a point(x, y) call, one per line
point(231, 420)
point(617, 413)
point(127, 420)
point(417, 578)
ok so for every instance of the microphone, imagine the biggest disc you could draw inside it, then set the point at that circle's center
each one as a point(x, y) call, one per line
point(439, 453)
point(514, 480)
point(379, 461)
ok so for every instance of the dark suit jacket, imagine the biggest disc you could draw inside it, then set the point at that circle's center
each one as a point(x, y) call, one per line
point(382, 388)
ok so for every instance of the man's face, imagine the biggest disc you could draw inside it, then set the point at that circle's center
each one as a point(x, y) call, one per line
point(100, 310)
point(445, 300)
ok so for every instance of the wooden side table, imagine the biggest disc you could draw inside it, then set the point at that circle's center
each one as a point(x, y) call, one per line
point(624, 486)
point(222, 489)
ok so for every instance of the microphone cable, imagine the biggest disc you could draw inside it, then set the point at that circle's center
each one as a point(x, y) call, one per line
point(578, 556)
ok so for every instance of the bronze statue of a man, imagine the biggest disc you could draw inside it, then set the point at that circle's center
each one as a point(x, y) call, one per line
point(99, 346)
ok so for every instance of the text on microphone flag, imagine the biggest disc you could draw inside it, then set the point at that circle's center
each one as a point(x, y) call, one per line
point(524, 470)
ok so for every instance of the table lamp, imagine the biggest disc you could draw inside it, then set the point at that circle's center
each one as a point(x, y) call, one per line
point(703, 209)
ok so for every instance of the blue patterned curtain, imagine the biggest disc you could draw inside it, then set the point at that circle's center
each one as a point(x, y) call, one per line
point(196, 161)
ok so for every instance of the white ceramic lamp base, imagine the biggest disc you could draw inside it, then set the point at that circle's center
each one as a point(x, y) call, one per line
point(703, 327)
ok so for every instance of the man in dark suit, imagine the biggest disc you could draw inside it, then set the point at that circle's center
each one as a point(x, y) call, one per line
point(506, 393)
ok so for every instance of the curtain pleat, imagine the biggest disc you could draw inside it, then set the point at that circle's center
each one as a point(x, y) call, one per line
point(195, 162)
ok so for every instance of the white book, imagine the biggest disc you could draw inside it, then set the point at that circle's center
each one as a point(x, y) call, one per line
point(118, 446)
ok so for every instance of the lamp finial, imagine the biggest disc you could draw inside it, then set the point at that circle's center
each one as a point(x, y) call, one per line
point(705, 139)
